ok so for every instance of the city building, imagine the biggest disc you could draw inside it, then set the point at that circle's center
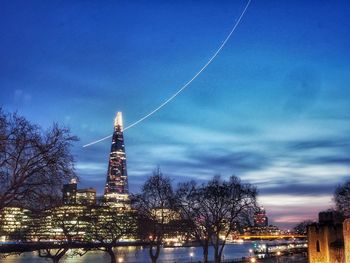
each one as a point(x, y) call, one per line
point(86, 196)
point(69, 192)
point(61, 223)
point(108, 221)
point(261, 225)
point(164, 215)
point(270, 230)
point(72, 195)
point(329, 239)
point(116, 189)
point(260, 218)
point(13, 223)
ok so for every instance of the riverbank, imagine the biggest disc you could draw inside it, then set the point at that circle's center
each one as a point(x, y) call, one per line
point(296, 258)
point(233, 253)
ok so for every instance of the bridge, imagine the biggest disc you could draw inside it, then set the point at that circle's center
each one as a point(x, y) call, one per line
point(281, 236)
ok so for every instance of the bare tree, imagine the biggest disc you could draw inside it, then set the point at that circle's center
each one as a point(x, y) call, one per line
point(215, 210)
point(188, 202)
point(107, 226)
point(33, 163)
point(66, 224)
point(301, 228)
point(342, 199)
point(54, 254)
point(155, 209)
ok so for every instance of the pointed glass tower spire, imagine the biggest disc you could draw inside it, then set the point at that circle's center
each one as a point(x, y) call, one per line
point(117, 178)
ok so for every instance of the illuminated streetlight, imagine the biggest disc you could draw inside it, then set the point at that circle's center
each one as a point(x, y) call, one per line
point(277, 258)
point(253, 260)
point(250, 252)
point(191, 255)
point(120, 260)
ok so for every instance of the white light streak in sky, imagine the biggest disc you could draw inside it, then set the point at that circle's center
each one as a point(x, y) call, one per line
point(186, 84)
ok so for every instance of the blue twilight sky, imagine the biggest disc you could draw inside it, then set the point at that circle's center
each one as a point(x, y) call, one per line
point(273, 108)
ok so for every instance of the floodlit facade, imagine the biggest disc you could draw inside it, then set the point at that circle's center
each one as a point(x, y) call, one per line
point(116, 190)
point(109, 221)
point(165, 215)
point(61, 223)
point(329, 239)
point(13, 223)
point(72, 222)
point(86, 196)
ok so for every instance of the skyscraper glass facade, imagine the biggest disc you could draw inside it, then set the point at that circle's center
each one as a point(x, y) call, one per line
point(116, 188)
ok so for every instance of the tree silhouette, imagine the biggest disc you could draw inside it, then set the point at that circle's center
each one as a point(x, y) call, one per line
point(34, 163)
point(215, 210)
point(107, 225)
point(66, 224)
point(156, 216)
point(301, 228)
point(342, 199)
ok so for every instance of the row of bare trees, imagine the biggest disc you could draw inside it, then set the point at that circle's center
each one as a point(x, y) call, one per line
point(207, 213)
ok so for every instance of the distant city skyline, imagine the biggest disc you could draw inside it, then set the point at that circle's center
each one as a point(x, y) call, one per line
point(273, 108)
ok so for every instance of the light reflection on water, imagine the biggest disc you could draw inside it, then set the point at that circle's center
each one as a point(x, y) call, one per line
point(140, 255)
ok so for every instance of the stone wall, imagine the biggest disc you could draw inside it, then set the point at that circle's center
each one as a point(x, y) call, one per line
point(346, 233)
point(326, 239)
point(318, 249)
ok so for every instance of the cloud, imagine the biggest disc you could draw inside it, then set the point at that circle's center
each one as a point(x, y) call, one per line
point(319, 144)
point(286, 210)
point(296, 167)
point(235, 161)
point(288, 164)
point(316, 189)
point(335, 159)
point(91, 167)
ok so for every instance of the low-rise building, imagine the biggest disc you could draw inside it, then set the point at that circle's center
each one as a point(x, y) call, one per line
point(86, 196)
point(13, 223)
point(61, 223)
point(329, 239)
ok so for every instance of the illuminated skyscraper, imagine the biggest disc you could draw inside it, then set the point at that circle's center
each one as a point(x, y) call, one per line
point(116, 189)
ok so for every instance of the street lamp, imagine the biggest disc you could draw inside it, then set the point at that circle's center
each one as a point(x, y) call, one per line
point(250, 252)
point(253, 260)
point(191, 255)
point(278, 254)
point(120, 260)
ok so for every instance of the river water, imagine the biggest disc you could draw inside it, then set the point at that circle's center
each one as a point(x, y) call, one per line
point(140, 255)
